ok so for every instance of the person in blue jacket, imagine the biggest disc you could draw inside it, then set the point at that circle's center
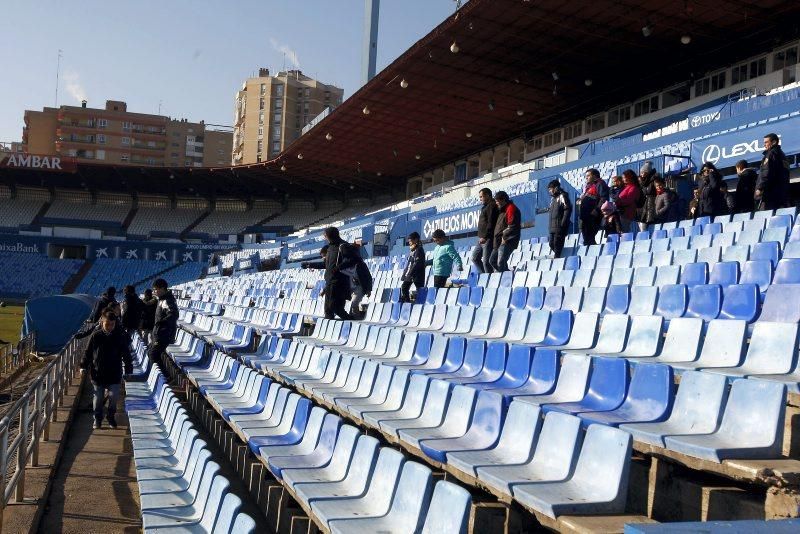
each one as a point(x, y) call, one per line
point(444, 256)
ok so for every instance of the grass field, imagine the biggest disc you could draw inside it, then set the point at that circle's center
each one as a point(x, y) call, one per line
point(11, 322)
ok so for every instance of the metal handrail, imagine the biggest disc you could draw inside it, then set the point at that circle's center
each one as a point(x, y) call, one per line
point(11, 360)
point(27, 423)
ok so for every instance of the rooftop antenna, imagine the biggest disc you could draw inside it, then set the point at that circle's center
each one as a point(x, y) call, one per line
point(58, 69)
point(159, 107)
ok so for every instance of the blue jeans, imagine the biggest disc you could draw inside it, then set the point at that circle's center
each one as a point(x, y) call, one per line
point(500, 255)
point(99, 400)
point(481, 255)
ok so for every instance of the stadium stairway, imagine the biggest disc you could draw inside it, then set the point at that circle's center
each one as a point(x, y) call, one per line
point(75, 280)
point(186, 231)
point(128, 219)
point(37, 220)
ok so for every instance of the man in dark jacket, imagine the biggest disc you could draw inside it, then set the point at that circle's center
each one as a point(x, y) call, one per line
point(595, 193)
point(772, 187)
point(165, 324)
point(666, 202)
point(414, 273)
point(107, 351)
point(149, 304)
point(745, 187)
point(132, 307)
point(507, 231)
point(323, 252)
point(361, 283)
point(482, 252)
point(712, 202)
point(106, 299)
point(340, 263)
point(560, 216)
point(647, 176)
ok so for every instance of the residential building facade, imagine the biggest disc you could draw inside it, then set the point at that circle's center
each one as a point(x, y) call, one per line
point(114, 135)
point(271, 111)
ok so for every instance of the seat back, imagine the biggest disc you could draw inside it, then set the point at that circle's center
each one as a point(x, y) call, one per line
point(705, 301)
point(603, 466)
point(772, 349)
point(754, 416)
point(740, 301)
point(682, 342)
point(723, 343)
point(558, 445)
point(782, 304)
point(448, 510)
point(672, 301)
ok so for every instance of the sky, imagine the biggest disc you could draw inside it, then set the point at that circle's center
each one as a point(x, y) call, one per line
point(188, 56)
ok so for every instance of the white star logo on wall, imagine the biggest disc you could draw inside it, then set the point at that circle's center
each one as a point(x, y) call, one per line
point(101, 253)
point(132, 254)
point(161, 255)
point(187, 256)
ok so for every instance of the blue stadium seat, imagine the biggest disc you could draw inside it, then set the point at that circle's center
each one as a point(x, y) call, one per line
point(780, 221)
point(725, 273)
point(766, 251)
point(672, 301)
point(772, 350)
point(693, 274)
point(740, 302)
point(781, 304)
point(751, 427)
point(448, 510)
point(617, 299)
point(697, 410)
point(649, 398)
point(787, 272)
point(757, 272)
point(607, 386)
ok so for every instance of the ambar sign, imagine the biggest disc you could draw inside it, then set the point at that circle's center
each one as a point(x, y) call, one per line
point(38, 163)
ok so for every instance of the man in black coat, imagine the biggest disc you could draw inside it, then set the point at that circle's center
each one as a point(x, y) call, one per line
point(712, 200)
point(165, 324)
point(745, 187)
point(340, 263)
point(414, 273)
point(132, 307)
point(487, 219)
point(560, 217)
point(149, 304)
point(106, 299)
point(107, 352)
point(772, 187)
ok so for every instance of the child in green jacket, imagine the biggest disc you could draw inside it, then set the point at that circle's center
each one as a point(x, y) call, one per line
point(444, 256)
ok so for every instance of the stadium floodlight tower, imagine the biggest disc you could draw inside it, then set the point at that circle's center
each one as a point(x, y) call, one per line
point(371, 9)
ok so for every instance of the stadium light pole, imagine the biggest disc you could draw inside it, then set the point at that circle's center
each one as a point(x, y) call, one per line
point(370, 47)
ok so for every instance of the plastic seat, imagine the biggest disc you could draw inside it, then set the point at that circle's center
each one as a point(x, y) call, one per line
point(643, 300)
point(607, 385)
point(705, 301)
point(772, 350)
point(649, 398)
point(697, 410)
point(594, 299)
point(599, 484)
point(535, 299)
point(644, 276)
point(723, 346)
point(644, 337)
point(454, 422)
point(539, 378)
point(573, 379)
point(641, 259)
point(621, 276)
point(787, 272)
point(519, 297)
point(515, 445)
point(412, 495)
point(752, 425)
point(781, 304)
point(778, 235)
point(573, 298)
point(725, 273)
point(684, 257)
point(667, 274)
point(672, 301)
point(617, 299)
point(552, 458)
point(430, 410)
point(738, 253)
point(758, 272)
point(769, 250)
point(740, 301)
point(448, 510)
point(682, 341)
point(553, 298)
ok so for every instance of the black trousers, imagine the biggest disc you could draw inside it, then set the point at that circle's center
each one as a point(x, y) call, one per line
point(440, 281)
point(589, 227)
point(405, 289)
point(156, 351)
point(557, 244)
point(334, 305)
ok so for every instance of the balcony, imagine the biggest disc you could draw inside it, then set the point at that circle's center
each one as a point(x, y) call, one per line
point(73, 123)
point(72, 139)
point(142, 146)
point(146, 131)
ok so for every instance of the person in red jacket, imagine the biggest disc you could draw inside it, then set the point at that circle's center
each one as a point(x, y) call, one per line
point(628, 199)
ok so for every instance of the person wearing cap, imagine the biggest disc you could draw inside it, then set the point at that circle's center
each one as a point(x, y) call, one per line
point(414, 273)
point(444, 257)
point(595, 192)
point(507, 231)
point(105, 300)
point(482, 253)
point(106, 355)
point(165, 323)
point(560, 217)
point(712, 201)
point(610, 223)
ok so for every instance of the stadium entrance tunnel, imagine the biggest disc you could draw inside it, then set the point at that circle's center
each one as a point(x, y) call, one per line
point(55, 319)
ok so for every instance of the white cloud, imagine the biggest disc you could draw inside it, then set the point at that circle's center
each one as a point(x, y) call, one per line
point(72, 84)
point(291, 55)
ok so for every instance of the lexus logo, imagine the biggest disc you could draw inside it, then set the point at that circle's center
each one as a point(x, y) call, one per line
point(715, 153)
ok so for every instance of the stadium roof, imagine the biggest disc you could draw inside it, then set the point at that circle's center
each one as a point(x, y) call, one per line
point(512, 55)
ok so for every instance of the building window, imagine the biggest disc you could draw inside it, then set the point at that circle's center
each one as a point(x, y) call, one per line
point(595, 123)
point(151, 144)
point(276, 132)
point(102, 123)
point(279, 104)
point(261, 104)
point(174, 154)
point(276, 118)
point(571, 131)
point(187, 163)
point(100, 154)
point(308, 92)
point(260, 131)
point(124, 157)
point(126, 125)
point(552, 138)
point(126, 140)
point(677, 95)
point(101, 138)
point(279, 90)
point(748, 71)
point(643, 107)
point(618, 115)
point(176, 134)
point(261, 118)
point(276, 146)
point(260, 146)
point(176, 144)
point(785, 58)
point(263, 88)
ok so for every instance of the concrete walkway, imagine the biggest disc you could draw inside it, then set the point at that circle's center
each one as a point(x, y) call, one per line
point(94, 487)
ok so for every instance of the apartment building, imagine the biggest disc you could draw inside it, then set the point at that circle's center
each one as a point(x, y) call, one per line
point(271, 111)
point(114, 135)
